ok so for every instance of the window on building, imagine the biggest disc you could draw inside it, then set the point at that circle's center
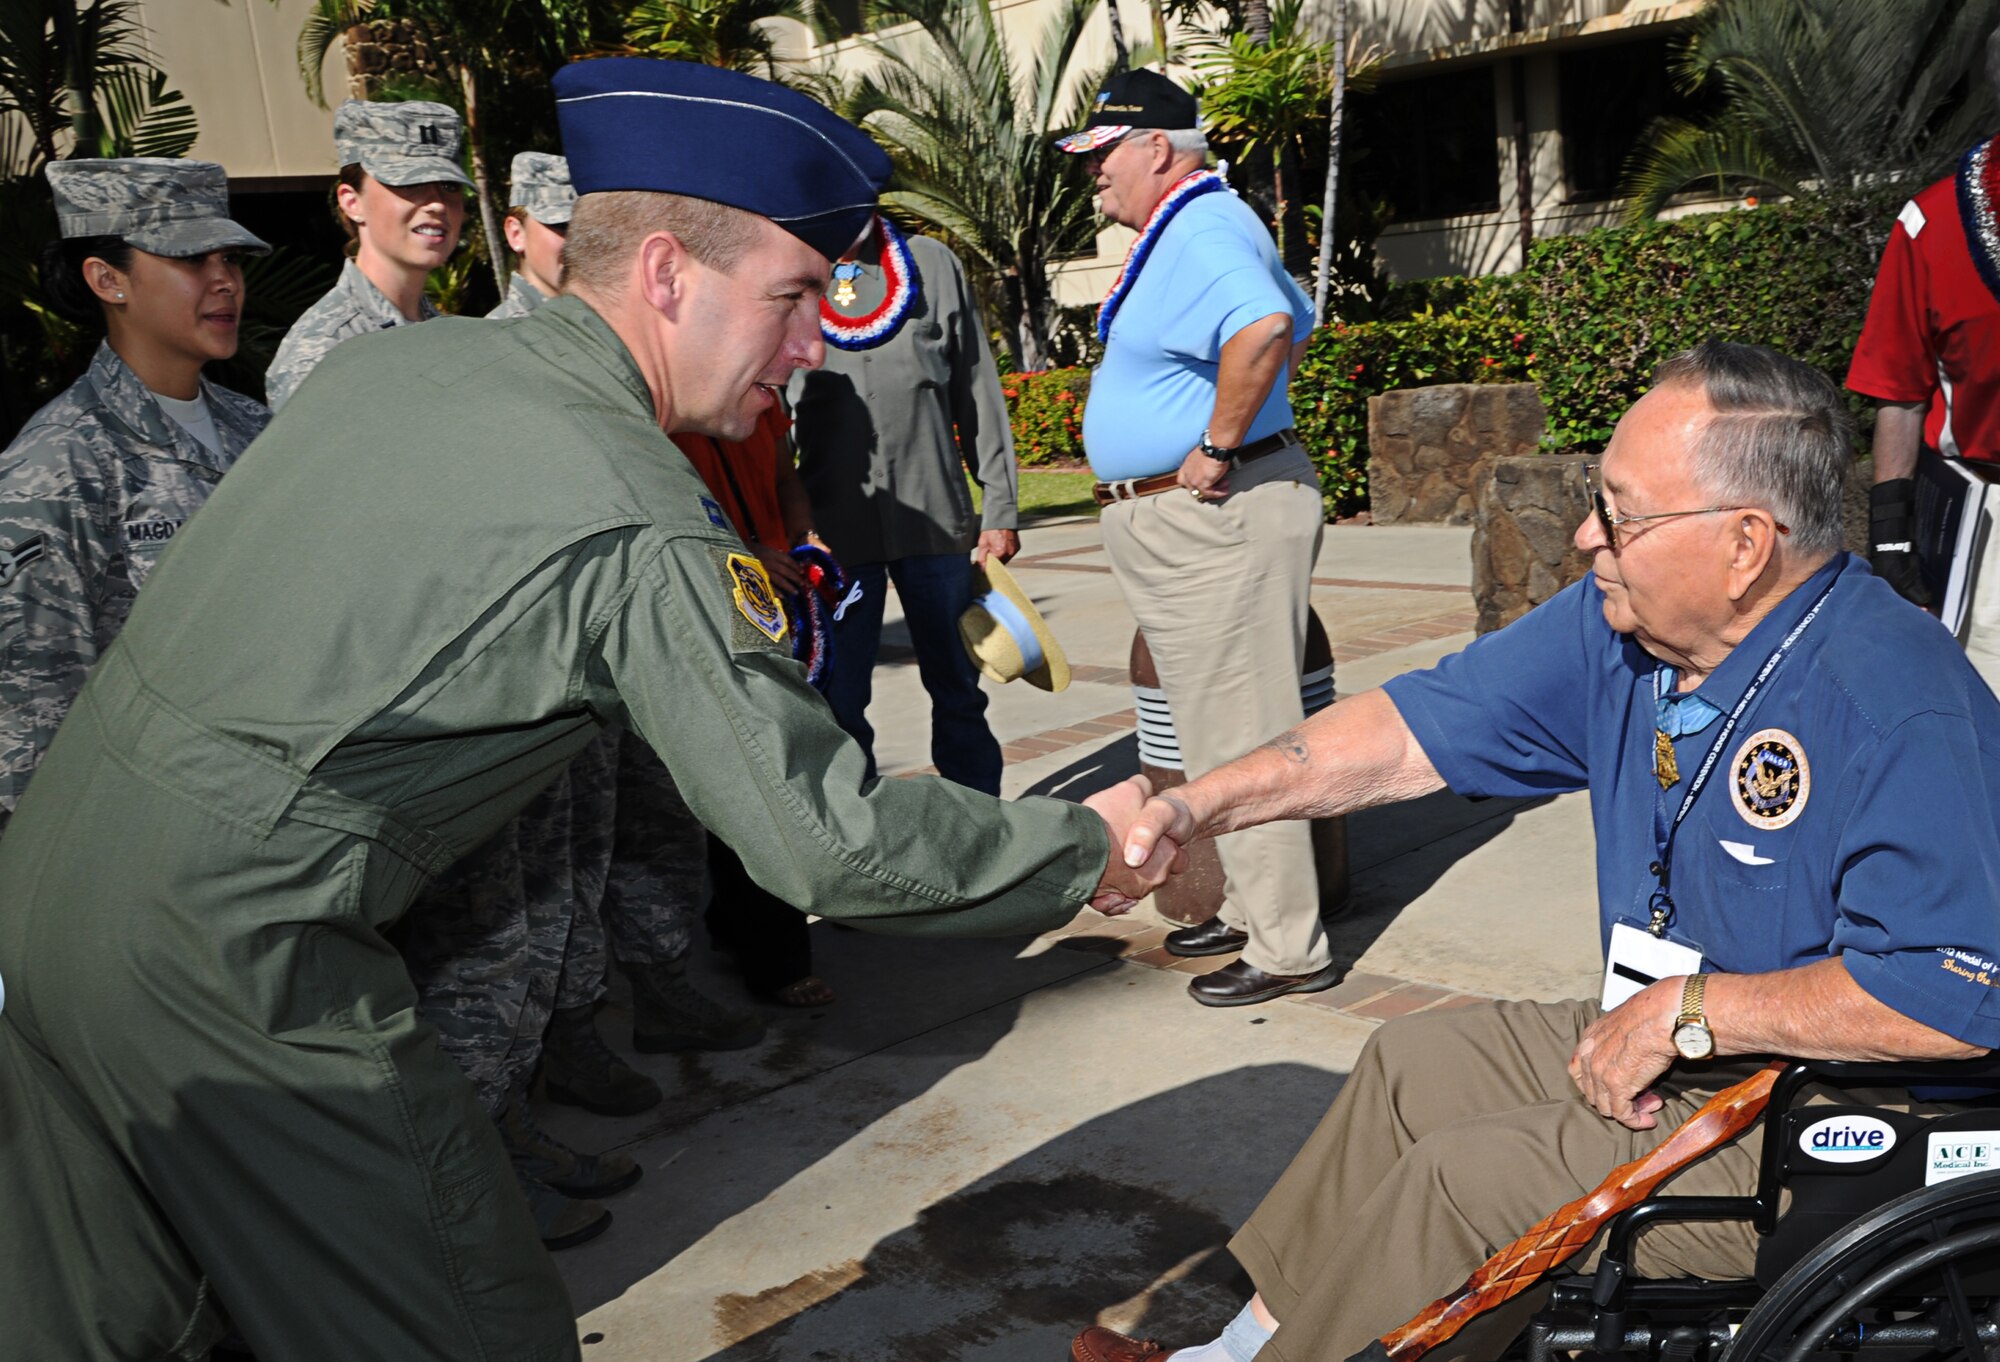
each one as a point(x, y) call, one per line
point(1431, 145)
point(1611, 97)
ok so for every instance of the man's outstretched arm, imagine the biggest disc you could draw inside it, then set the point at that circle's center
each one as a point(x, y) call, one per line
point(1354, 755)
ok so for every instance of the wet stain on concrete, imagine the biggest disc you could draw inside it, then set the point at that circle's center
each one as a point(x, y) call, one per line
point(1018, 1258)
point(741, 1316)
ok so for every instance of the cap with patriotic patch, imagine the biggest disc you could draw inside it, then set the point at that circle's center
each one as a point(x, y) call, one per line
point(676, 127)
point(1133, 99)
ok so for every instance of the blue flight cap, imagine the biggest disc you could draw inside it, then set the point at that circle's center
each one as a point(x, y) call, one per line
point(677, 127)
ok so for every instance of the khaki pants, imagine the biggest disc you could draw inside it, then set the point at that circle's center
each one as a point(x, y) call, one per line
point(1221, 590)
point(1982, 624)
point(1455, 1133)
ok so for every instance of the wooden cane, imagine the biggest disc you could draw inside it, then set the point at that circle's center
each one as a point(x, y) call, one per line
point(1558, 1235)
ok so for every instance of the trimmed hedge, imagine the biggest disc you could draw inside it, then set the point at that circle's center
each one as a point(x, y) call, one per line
point(1588, 319)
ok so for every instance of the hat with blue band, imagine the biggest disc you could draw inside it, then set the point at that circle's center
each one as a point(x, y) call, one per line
point(676, 127)
point(1006, 635)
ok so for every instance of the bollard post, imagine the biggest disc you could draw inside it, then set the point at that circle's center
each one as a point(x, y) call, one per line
point(1197, 896)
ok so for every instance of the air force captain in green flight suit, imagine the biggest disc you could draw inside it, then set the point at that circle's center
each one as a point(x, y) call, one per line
point(459, 552)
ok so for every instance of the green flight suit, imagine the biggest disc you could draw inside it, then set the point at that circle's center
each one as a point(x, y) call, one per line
point(447, 564)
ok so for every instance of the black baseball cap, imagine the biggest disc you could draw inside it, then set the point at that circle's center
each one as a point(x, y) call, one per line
point(1133, 99)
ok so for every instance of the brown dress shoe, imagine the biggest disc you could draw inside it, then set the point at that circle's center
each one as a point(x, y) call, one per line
point(1240, 983)
point(1108, 1345)
point(1213, 937)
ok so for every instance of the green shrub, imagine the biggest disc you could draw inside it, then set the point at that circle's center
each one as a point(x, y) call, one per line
point(1047, 413)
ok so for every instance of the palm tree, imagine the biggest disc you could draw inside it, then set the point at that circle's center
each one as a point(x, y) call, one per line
point(1823, 94)
point(478, 39)
point(971, 130)
point(1263, 97)
point(729, 33)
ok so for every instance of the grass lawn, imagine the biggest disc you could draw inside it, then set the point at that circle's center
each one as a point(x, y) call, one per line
point(1052, 492)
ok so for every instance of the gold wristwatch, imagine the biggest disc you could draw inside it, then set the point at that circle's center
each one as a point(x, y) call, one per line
point(1692, 1038)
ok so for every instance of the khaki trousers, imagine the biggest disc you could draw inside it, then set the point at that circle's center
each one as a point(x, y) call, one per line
point(1982, 623)
point(1455, 1133)
point(1221, 590)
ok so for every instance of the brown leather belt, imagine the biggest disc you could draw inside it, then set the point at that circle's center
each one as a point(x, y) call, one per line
point(1131, 489)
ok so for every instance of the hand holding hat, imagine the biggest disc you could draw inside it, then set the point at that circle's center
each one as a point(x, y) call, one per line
point(1006, 635)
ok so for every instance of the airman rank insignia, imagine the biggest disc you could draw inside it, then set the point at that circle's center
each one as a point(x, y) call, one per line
point(13, 559)
point(756, 598)
point(1772, 779)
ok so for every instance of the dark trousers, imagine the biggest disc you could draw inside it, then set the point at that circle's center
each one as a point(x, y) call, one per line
point(768, 936)
point(935, 590)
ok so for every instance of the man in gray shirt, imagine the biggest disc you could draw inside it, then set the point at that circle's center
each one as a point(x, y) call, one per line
point(908, 398)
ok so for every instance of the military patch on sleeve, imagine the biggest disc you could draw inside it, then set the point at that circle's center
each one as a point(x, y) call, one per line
point(14, 558)
point(715, 515)
point(756, 598)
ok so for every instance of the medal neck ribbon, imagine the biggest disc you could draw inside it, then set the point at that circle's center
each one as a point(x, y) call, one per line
point(903, 286)
point(1183, 192)
point(1978, 188)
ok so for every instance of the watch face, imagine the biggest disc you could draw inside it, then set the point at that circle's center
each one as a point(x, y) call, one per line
point(1694, 1041)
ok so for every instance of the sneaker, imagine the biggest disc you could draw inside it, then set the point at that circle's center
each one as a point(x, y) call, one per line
point(540, 1157)
point(562, 1222)
point(669, 1013)
point(581, 1071)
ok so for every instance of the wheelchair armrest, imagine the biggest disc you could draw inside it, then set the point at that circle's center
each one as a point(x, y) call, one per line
point(1903, 1072)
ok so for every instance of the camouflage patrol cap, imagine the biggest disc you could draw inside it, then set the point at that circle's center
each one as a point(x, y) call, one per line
point(165, 207)
point(415, 142)
point(540, 183)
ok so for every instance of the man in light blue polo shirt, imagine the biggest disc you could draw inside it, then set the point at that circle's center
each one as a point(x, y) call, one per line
point(1212, 510)
point(1795, 783)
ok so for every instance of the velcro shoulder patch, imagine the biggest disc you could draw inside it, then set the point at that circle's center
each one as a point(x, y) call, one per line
point(756, 598)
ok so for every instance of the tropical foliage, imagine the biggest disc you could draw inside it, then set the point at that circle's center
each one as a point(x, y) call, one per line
point(730, 33)
point(1823, 95)
point(1046, 410)
point(970, 124)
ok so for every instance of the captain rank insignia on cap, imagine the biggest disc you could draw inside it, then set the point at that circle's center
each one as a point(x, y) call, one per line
point(756, 598)
point(1772, 778)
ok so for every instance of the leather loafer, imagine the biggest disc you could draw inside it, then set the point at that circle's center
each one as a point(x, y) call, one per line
point(1241, 983)
point(1213, 937)
point(1097, 1344)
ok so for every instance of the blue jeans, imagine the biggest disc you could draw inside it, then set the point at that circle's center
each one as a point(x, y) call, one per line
point(935, 590)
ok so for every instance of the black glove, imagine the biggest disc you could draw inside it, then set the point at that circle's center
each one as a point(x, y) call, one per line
point(1892, 530)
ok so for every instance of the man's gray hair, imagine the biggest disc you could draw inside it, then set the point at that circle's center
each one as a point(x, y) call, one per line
point(1781, 438)
point(1186, 140)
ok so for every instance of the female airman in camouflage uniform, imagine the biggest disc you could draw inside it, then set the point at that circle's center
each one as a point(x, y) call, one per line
point(401, 200)
point(100, 480)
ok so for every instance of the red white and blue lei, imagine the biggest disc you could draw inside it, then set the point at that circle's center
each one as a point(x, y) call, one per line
point(1978, 197)
point(899, 271)
point(1183, 192)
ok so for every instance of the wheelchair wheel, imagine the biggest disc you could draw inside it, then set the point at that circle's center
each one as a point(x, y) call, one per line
point(1919, 1276)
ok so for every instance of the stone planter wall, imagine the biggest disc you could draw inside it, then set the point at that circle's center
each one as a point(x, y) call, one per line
point(1525, 513)
point(1427, 446)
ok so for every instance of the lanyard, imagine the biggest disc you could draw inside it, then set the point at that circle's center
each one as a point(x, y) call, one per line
point(1662, 902)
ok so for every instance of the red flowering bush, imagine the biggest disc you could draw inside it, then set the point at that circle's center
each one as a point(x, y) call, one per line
point(1046, 409)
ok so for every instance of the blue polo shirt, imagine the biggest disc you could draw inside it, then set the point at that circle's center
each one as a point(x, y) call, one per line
point(1855, 811)
point(1212, 273)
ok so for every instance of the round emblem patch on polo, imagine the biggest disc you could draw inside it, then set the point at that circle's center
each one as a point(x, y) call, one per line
point(1773, 778)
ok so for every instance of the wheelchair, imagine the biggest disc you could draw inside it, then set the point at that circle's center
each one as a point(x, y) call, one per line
point(1890, 1244)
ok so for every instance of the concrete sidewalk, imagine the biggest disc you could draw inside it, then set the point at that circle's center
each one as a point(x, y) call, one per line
point(982, 1147)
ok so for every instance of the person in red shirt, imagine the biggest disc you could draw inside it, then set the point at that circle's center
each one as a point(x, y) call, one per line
point(1929, 354)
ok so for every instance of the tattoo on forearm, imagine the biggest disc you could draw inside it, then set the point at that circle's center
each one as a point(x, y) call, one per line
point(1291, 747)
point(1180, 807)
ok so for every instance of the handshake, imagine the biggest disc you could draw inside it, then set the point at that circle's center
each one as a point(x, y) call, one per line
point(1149, 835)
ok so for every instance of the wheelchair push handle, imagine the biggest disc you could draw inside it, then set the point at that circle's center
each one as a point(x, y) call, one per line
point(1560, 1234)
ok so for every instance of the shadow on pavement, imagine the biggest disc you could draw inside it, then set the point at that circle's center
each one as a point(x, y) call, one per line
point(939, 1003)
point(1087, 775)
point(1111, 1223)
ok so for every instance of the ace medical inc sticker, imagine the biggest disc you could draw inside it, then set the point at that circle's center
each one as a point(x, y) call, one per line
point(1954, 1153)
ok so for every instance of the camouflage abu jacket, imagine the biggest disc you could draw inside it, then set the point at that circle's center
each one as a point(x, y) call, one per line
point(352, 307)
point(91, 491)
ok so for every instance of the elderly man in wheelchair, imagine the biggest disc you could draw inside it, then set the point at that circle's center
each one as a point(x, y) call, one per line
point(1795, 786)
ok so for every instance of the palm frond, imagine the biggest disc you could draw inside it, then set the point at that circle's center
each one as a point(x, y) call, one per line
point(323, 28)
point(143, 116)
point(1732, 157)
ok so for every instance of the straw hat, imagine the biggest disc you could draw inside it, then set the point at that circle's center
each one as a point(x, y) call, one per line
point(1006, 635)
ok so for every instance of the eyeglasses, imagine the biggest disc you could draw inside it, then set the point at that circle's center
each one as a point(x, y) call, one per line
point(1610, 522)
point(1094, 158)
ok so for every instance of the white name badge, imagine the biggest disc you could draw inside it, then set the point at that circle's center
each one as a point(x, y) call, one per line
point(1638, 958)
